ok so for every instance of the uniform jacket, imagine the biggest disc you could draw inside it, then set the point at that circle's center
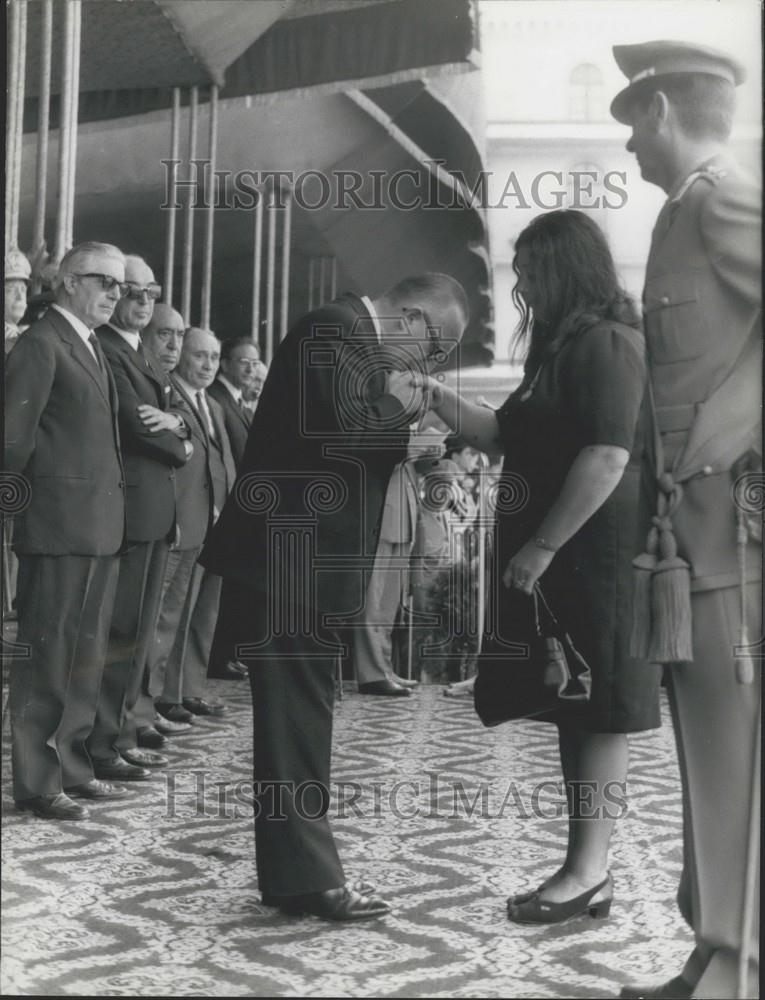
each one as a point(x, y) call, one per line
point(324, 440)
point(206, 479)
point(237, 420)
point(61, 433)
point(702, 308)
point(150, 458)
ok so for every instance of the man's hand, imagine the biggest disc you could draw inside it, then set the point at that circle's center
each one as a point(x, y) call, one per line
point(157, 420)
point(408, 389)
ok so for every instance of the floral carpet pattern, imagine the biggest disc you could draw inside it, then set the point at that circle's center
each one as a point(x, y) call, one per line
point(156, 895)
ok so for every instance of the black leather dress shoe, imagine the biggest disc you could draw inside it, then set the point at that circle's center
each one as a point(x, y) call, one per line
point(341, 904)
point(151, 738)
point(96, 789)
point(145, 758)
point(231, 671)
point(119, 770)
point(676, 989)
point(389, 688)
point(53, 807)
point(198, 706)
point(175, 713)
point(360, 886)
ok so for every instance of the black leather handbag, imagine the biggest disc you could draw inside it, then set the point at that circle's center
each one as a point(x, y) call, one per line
point(552, 676)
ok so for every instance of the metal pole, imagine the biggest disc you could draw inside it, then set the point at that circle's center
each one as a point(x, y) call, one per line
point(257, 267)
point(270, 277)
point(18, 122)
point(76, 38)
point(14, 49)
point(64, 134)
point(188, 247)
point(322, 279)
point(334, 277)
point(482, 515)
point(43, 122)
point(286, 244)
point(311, 281)
point(210, 220)
point(175, 124)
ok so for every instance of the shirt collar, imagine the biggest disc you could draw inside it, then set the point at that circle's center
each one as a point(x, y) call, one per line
point(373, 316)
point(236, 393)
point(134, 339)
point(80, 328)
point(189, 389)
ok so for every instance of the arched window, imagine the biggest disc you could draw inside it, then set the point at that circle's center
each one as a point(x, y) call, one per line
point(587, 104)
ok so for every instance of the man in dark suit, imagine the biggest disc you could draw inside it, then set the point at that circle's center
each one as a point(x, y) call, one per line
point(239, 359)
point(151, 453)
point(295, 543)
point(703, 324)
point(190, 601)
point(61, 434)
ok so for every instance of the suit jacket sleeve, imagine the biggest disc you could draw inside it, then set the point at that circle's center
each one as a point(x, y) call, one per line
point(730, 228)
point(163, 446)
point(30, 370)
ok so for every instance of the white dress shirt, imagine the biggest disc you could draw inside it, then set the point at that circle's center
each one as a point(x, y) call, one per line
point(134, 339)
point(199, 399)
point(236, 393)
point(80, 329)
point(375, 321)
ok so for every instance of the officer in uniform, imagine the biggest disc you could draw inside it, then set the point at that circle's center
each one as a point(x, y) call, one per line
point(17, 276)
point(703, 326)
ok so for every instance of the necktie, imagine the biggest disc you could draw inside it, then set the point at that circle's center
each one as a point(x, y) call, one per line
point(94, 344)
point(202, 406)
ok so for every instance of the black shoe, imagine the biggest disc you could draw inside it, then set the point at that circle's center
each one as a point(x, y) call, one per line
point(53, 807)
point(95, 789)
point(333, 904)
point(175, 713)
point(360, 886)
point(198, 706)
point(119, 770)
point(145, 758)
point(389, 688)
point(151, 738)
point(675, 989)
point(231, 671)
point(596, 902)
point(406, 682)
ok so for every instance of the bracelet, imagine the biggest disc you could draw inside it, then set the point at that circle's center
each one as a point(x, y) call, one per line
point(542, 544)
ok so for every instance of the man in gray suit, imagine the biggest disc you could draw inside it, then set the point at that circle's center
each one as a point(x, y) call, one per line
point(61, 434)
point(703, 325)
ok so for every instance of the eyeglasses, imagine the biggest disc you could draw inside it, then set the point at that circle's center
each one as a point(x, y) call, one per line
point(134, 291)
point(247, 363)
point(108, 283)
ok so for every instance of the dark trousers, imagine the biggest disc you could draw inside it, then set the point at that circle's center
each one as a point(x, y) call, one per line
point(293, 691)
point(136, 607)
point(65, 607)
point(200, 636)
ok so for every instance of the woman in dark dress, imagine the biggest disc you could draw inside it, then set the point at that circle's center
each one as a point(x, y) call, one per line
point(572, 439)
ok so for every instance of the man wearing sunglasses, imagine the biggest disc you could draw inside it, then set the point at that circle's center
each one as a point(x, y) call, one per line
point(62, 440)
point(295, 543)
point(154, 443)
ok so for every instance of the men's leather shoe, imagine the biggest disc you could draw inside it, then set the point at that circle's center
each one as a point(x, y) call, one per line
point(168, 728)
point(360, 886)
point(95, 789)
point(145, 758)
point(406, 682)
point(389, 688)
point(231, 671)
point(175, 713)
point(119, 770)
point(53, 807)
point(333, 904)
point(150, 738)
point(198, 706)
point(676, 989)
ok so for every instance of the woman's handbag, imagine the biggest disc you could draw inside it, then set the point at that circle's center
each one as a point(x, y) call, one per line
point(552, 676)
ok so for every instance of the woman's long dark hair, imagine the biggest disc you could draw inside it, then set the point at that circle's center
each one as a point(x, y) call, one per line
point(575, 284)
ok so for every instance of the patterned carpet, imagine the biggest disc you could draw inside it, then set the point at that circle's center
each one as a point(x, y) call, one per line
point(156, 895)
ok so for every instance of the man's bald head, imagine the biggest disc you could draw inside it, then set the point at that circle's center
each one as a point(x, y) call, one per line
point(200, 357)
point(163, 335)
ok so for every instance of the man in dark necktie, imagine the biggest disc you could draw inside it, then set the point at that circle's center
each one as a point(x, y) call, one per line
point(121, 745)
point(61, 435)
point(239, 361)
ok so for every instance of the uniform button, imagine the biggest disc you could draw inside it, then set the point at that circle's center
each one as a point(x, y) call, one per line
point(665, 300)
point(121, 485)
point(707, 470)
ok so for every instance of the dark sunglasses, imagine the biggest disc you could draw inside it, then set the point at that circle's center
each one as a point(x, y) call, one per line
point(133, 291)
point(108, 283)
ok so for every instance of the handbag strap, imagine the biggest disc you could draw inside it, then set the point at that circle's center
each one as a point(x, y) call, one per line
point(539, 599)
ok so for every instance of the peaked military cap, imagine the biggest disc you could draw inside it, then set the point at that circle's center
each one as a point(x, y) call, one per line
point(655, 59)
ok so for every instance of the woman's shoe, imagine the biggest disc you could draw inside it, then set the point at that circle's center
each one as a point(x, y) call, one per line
point(524, 897)
point(596, 902)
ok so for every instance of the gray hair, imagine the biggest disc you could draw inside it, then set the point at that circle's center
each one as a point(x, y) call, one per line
point(75, 259)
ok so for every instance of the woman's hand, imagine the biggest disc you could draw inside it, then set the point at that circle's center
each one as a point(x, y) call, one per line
point(526, 567)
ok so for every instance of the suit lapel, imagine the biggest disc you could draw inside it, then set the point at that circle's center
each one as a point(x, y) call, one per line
point(196, 416)
point(142, 362)
point(82, 354)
